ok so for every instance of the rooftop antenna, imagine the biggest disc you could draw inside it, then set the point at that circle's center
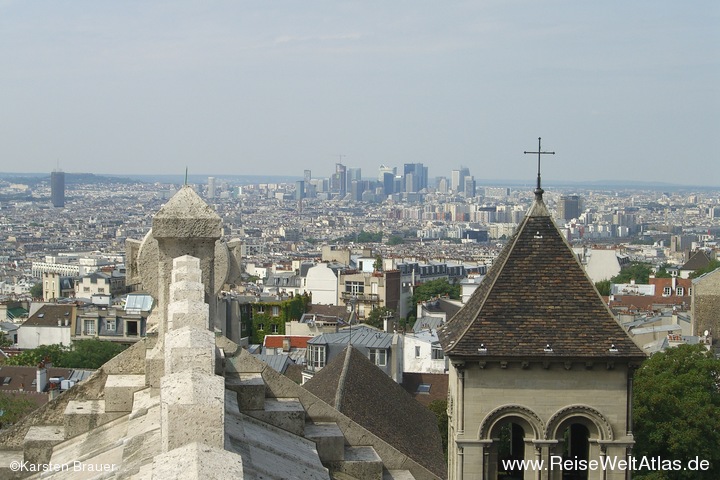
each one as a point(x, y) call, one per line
point(538, 190)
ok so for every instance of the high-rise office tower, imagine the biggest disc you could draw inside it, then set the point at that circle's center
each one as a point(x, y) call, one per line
point(299, 189)
point(469, 186)
point(388, 183)
point(338, 182)
point(307, 176)
point(569, 207)
point(415, 177)
point(457, 179)
point(385, 169)
point(57, 188)
point(353, 174)
point(211, 187)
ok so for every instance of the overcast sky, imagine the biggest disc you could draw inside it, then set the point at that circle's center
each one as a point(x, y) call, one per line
point(620, 90)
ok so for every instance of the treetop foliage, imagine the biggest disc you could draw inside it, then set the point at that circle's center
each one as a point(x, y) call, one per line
point(677, 409)
point(90, 354)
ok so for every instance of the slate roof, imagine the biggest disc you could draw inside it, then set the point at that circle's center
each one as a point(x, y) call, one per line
point(536, 294)
point(48, 316)
point(360, 390)
point(364, 335)
point(698, 260)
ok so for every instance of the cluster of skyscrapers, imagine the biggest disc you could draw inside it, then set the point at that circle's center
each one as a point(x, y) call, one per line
point(347, 182)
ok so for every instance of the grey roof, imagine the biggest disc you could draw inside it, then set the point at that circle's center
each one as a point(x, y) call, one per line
point(697, 260)
point(48, 316)
point(8, 326)
point(363, 392)
point(279, 362)
point(425, 323)
point(364, 335)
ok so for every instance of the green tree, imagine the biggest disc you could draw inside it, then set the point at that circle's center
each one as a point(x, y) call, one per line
point(33, 357)
point(90, 353)
point(13, 408)
point(378, 265)
point(36, 291)
point(662, 271)
point(677, 410)
point(638, 271)
point(377, 316)
point(435, 288)
point(603, 286)
point(439, 408)
point(4, 340)
point(395, 240)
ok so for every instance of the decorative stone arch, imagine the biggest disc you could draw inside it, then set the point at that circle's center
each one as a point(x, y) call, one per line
point(526, 418)
point(596, 423)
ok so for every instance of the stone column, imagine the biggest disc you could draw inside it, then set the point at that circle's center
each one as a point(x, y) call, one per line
point(192, 397)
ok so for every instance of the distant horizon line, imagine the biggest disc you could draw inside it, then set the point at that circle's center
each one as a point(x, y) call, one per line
point(196, 178)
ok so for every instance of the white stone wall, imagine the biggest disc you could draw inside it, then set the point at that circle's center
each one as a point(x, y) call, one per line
point(323, 284)
point(423, 363)
point(31, 336)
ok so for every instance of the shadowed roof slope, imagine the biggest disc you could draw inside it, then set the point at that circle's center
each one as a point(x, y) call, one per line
point(358, 389)
point(536, 294)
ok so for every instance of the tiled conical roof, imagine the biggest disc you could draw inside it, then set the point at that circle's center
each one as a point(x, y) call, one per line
point(536, 301)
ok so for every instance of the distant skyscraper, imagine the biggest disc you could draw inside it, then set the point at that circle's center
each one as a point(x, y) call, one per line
point(211, 187)
point(383, 170)
point(469, 186)
point(457, 179)
point(307, 176)
point(57, 188)
point(569, 207)
point(416, 177)
point(388, 183)
point(338, 182)
point(442, 185)
point(353, 174)
point(299, 189)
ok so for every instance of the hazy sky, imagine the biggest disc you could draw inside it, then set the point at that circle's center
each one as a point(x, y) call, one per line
point(621, 90)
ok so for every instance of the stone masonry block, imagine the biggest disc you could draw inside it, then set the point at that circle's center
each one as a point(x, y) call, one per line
point(188, 274)
point(185, 312)
point(192, 409)
point(329, 440)
point(154, 366)
point(187, 290)
point(187, 348)
point(186, 267)
point(120, 390)
point(83, 415)
point(196, 461)
point(39, 442)
point(186, 261)
point(360, 462)
point(250, 389)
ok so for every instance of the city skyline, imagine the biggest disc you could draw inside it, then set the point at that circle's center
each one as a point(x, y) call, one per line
point(625, 92)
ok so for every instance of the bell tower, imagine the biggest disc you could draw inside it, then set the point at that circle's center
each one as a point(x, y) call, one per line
point(540, 370)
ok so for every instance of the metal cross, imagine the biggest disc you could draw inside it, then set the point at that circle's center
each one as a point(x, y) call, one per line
point(540, 152)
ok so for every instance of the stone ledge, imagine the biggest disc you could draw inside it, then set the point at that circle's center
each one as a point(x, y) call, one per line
point(39, 441)
point(83, 415)
point(196, 461)
point(120, 390)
